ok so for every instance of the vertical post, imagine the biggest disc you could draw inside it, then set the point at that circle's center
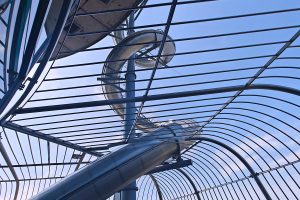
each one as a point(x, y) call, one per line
point(129, 193)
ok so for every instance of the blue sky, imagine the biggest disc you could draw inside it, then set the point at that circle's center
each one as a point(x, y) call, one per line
point(193, 12)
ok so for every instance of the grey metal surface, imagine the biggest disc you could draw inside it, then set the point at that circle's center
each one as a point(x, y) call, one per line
point(134, 43)
point(129, 193)
point(259, 122)
point(3, 5)
point(114, 171)
point(102, 23)
point(146, 62)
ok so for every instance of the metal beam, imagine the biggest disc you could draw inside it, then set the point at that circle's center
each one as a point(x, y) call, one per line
point(129, 193)
point(8, 25)
point(141, 7)
point(256, 75)
point(52, 43)
point(37, 27)
point(80, 161)
point(157, 187)
point(159, 54)
point(159, 97)
point(11, 168)
point(18, 33)
point(45, 164)
point(177, 165)
point(49, 138)
point(191, 182)
point(241, 158)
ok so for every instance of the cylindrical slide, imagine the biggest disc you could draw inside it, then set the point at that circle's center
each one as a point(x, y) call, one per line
point(113, 172)
point(117, 58)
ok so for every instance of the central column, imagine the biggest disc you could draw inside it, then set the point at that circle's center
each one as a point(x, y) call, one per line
point(129, 193)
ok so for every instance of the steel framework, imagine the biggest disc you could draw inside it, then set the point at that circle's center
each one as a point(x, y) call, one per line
point(235, 72)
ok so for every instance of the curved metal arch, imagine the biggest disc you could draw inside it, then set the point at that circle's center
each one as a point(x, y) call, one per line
point(247, 131)
point(175, 189)
point(159, 97)
point(257, 119)
point(192, 172)
point(176, 182)
point(246, 141)
point(279, 165)
point(274, 192)
point(164, 187)
point(259, 128)
point(233, 161)
point(269, 166)
point(159, 193)
point(240, 140)
point(191, 182)
point(23, 11)
point(8, 26)
point(147, 185)
point(154, 194)
point(271, 97)
point(189, 168)
point(283, 122)
point(151, 188)
point(264, 105)
point(4, 188)
point(208, 174)
point(222, 71)
point(225, 129)
point(33, 182)
point(194, 155)
point(246, 153)
point(277, 130)
point(180, 180)
point(198, 150)
point(253, 173)
point(20, 27)
point(140, 182)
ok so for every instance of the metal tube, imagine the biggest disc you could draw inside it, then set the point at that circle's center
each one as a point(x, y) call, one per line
point(129, 193)
point(113, 172)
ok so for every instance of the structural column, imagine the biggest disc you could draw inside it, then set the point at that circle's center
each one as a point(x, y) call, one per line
point(129, 193)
